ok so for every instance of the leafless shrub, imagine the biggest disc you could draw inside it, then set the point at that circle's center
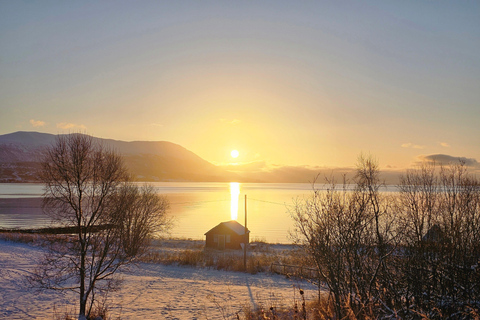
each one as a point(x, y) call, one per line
point(441, 208)
point(414, 255)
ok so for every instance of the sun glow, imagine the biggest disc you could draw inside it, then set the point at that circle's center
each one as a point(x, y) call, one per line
point(234, 194)
point(234, 153)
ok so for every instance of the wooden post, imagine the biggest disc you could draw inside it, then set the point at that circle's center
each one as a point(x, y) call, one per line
point(245, 239)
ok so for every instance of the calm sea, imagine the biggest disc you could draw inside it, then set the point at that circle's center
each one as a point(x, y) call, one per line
point(196, 207)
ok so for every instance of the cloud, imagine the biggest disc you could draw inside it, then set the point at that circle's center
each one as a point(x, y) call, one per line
point(156, 124)
point(261, 171)
point(445, 159)
point(66, 125)
point(37, 123)
point(444, 144)
point(411, 145)
point(253, 166)
point(232, 122)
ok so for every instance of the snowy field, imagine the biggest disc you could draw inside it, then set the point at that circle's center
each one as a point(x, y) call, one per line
point(151, 291)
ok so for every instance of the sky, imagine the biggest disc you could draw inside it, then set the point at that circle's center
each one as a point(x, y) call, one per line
point(294, 83)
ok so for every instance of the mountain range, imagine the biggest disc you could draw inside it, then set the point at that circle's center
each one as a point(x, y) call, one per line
point(161, 161)
point(146, 160)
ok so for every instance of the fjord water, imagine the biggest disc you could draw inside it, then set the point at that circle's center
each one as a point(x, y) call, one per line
point(195, 207)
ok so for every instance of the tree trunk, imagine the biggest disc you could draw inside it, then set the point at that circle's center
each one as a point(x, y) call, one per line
point(83, 298)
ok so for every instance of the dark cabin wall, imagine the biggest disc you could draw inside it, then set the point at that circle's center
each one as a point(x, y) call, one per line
point(235, 239)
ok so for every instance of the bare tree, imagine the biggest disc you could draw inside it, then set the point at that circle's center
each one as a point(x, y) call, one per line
point(440, 209)
point(349, 233)
point(459, 204)
point(379, 207)
point(419, 207)
point(87, 188)
point(415, 254)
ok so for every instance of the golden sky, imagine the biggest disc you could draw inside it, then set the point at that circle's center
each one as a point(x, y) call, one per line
point(283, 82)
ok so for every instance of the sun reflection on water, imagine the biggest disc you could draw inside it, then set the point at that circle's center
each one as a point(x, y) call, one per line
point(234, 194)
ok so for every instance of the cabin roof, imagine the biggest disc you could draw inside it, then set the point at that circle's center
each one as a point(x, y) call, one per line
point(434, 234)
point(232, 225)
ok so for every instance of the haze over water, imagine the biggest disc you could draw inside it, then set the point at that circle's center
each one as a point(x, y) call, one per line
point(196, 207)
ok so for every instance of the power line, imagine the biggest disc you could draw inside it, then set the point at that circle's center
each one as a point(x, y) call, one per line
point(278, 203)
point(223, 200)
point(198, 202)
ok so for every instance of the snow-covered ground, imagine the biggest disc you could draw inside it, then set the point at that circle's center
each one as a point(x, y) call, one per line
point(151, 291)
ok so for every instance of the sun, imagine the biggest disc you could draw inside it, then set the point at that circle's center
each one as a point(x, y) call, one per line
point(234, 153)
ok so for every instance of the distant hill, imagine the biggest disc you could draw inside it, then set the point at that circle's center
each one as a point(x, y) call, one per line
point(161, 161)
point(146, 160)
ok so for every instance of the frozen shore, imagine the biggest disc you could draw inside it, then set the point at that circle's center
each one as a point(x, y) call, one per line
point(150, 291)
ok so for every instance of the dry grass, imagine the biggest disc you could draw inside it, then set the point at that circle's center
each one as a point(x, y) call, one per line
point(28, 238)
point(36, 239)
point(20, 237)
point(299, 310)
point(261, 255)
point(187, 252)
point(320, 309)
point(100, 311)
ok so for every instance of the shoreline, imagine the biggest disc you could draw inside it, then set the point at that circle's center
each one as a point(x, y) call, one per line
point(172, 241)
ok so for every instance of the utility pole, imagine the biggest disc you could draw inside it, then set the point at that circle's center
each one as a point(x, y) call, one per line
point(246, 239)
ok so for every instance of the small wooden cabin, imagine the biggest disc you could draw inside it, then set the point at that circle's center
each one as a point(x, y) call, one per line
point(434, 235)
point(227, 235)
